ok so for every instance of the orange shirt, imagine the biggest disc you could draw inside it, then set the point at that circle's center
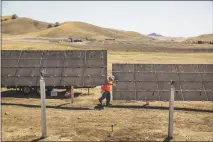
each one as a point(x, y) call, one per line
point(106, 87)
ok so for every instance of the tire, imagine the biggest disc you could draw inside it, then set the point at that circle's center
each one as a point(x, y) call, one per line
point(26, 90)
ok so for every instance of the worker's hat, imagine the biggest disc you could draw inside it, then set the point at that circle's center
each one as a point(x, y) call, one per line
point(112, 77)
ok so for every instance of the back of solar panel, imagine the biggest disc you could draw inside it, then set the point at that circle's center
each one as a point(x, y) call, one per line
point(151, 82)
point(79, 68)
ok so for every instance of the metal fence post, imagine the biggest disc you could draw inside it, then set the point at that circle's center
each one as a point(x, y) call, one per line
point(171, 110)
point(43, 107)
point(72, 94)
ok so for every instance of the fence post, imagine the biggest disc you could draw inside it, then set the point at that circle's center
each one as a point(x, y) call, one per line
point(72, 94)
point(171, 110)
point(43, 107)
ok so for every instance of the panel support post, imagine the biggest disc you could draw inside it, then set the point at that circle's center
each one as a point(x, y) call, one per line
point(72, 94)
point(43, 107)
point(171, 110)
point(88, 91)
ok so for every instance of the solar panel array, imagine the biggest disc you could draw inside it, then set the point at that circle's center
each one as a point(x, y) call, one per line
point(151, 82)
point(78, 68)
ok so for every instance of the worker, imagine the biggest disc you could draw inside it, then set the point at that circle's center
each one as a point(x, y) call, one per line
point(105, 90)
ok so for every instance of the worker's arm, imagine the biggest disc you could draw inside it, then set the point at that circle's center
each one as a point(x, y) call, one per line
point(113, 82)
point(110, 83)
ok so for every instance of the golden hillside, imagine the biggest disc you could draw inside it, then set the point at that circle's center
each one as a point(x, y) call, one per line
point(83, 30)
point(205, 37)
point(4, 18)
point(33, 28)
point(22, 25)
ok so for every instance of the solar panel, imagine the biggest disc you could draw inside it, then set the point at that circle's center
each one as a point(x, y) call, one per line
point(193, 82)
point(78, 68)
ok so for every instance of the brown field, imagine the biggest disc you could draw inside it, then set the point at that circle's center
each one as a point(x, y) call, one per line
point(205, 37)
point(193, 121)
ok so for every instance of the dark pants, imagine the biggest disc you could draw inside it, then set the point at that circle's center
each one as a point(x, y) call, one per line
point(107, 96)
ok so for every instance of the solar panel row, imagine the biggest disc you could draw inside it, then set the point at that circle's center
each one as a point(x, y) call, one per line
point(63, 68)
point(193, 82)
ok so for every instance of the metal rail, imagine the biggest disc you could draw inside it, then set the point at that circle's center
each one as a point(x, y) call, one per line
point(116, 90)
point(162, 72)
point(158, 81)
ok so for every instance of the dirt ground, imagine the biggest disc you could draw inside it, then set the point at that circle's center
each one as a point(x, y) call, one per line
point(83, 120)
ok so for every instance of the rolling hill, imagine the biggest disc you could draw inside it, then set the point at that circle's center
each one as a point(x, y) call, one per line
point(204, 37)
point(22, 26)
point(83, 30)
point(5, 18)
point(32, 28)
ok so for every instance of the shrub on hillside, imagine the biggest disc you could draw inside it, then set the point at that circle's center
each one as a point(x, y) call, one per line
point(56, 24)
point(49, 26)
point(14, 16)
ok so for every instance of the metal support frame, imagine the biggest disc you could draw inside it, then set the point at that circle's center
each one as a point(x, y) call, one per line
point(157, 81)
point(17, 68)
point(43, 107)
point(203, 84)
point(135, 92)
point(171, 110)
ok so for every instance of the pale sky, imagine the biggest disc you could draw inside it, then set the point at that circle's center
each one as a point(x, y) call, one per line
point(169, 18)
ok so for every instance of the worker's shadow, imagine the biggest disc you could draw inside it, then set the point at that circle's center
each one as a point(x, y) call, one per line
point(167, 139)
point(37, 139)
point(60, 107)
point(99, 107)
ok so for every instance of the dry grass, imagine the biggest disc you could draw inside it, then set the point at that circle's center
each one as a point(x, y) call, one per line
point(83, 30)
point(22, 26)
point(65, 123)
point(3, 18)
point(21, 45)
point(33, 28)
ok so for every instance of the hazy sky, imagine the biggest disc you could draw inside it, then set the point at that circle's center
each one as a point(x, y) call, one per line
point(169, 18)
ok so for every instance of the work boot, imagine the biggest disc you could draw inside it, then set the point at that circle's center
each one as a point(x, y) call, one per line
point(108, 104)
